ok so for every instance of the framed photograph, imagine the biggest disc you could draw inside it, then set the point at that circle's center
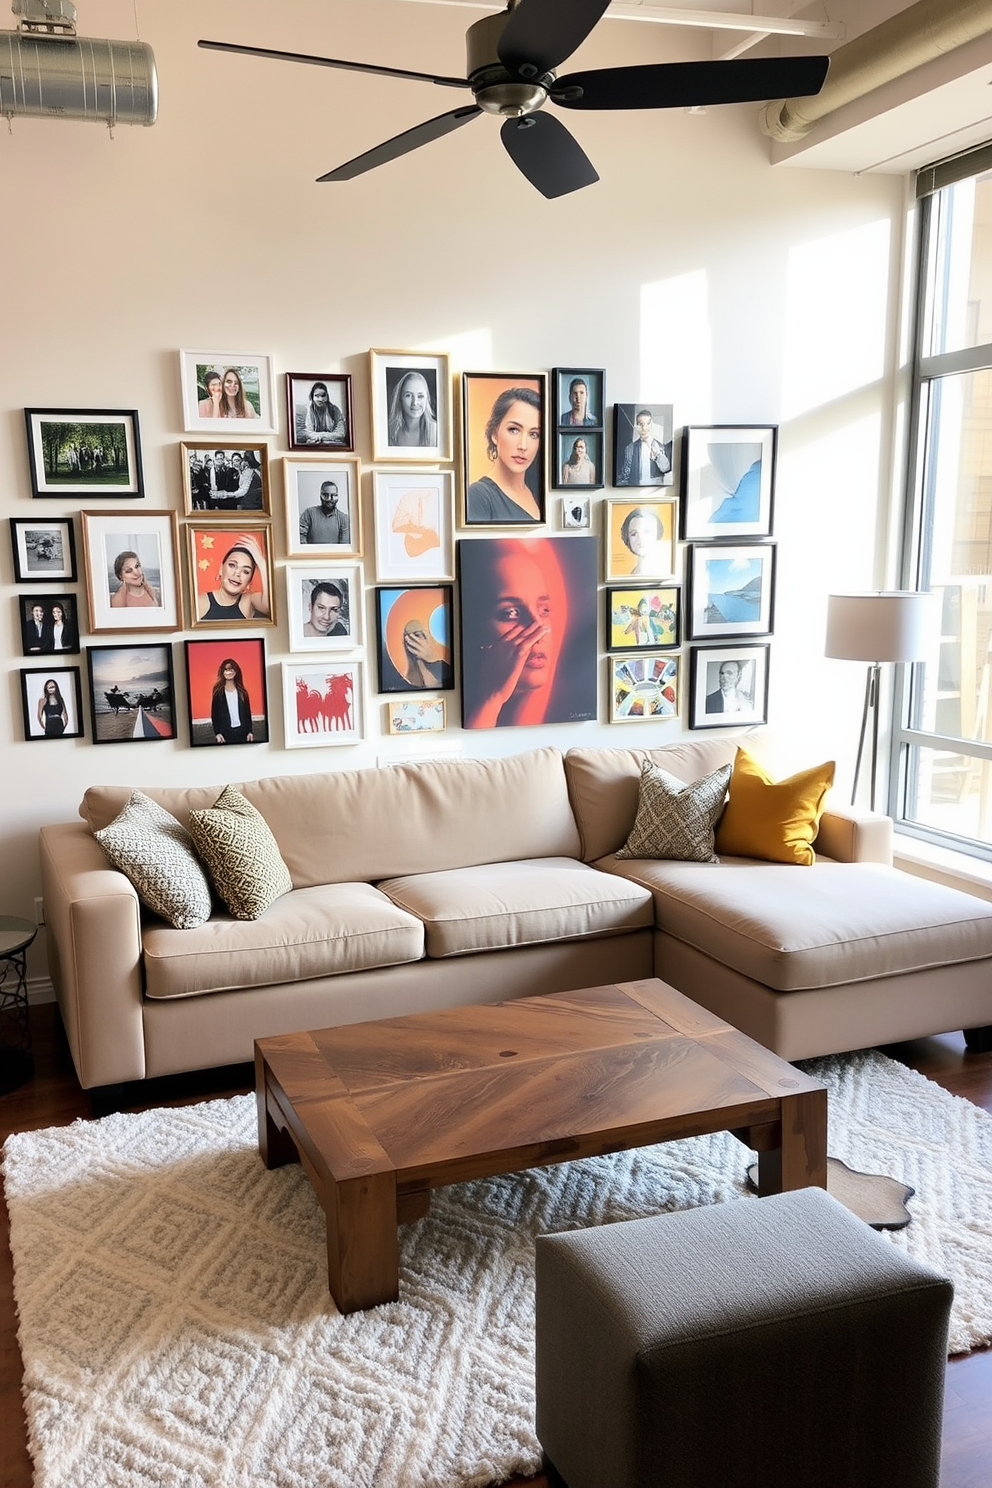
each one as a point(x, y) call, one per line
point(132, 697)
point(642, 444)
point(414, 636)
point(84, 452)
point(43, 549)
point(536, 594)
point(503, 420)
point(132, 577)
point(324, 603)
point(223, 477)
point(728, 686)
point(225, 692)
point(230, 574)
point(52, 701)
point(414, 515)
point(49, 624)
point(576, 511)
point(643, 617)
point(227, 385)
point(411, 406)
point(643, 689)
point(318, 411)
point(579, 397)
point(323, 508)
point(731, 590)
point(416, 716)
point(640, 539)
point(728, 480)
point(322, 703)
point(580, 460)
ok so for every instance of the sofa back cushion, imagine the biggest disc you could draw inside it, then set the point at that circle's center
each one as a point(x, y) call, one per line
point(364, 825)
point(603, 784)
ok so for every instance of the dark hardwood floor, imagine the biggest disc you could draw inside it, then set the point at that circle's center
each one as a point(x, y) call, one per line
point(53, 1098)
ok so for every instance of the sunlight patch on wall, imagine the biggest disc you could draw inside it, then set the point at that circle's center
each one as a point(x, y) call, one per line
point(676, 344)
point(470, 351)
point(837, 296)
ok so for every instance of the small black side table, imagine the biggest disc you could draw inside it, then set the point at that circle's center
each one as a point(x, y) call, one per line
point(16, 1055)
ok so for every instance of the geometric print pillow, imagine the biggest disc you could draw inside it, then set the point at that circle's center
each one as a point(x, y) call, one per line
point(675, 820)
point(156, 853)
point(237, 845)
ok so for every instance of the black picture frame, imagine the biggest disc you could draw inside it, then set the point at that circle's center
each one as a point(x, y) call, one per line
point(143, 710)
point(486, 503)
point(84, 452)
point(569, 474)
point(731, 590)
point(626, 434)
point(658, 628)
point(299, 390)
point(58, 636)
point(67, 680)
point(204, 664)
point(562, 380)
point(728, 474)
point(43, 549)
point(704, 685)
point(410, 618)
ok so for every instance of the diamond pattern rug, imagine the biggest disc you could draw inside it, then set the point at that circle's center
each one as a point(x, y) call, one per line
point(177, 1331)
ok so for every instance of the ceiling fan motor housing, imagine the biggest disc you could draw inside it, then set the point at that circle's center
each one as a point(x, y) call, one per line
point(495, 89)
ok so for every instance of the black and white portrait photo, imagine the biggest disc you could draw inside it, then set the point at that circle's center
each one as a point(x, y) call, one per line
point(325, 610)
point(318, 411)
point(642, 444)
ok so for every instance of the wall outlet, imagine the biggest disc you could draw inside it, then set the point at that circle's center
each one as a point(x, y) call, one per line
point(39, 911)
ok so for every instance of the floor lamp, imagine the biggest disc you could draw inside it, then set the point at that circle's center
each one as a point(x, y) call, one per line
point(875, 628)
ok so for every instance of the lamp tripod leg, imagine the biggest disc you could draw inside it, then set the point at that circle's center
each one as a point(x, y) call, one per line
point(869, 697)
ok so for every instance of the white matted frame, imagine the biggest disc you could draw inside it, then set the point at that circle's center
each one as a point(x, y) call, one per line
point(411, 406)
point(322, 703)
point(252, 409)
point(146, 545)
point(414, 513)
point(731, 590)
point(728, 686)
point(728, 481)
point(304, 479)
point(324, 603)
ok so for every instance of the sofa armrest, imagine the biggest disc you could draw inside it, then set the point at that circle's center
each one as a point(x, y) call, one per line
point(851, 836)
point(93, 921)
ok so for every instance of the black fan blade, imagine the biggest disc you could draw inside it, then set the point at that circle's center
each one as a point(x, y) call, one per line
point(691, 84)
point(545, 152)
point(541, 33)
point(402, 144)
point(397, 72)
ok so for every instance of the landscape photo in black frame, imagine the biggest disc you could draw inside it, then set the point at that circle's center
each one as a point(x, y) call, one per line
point(84, 452)
point(132, 693)
point(731, 590)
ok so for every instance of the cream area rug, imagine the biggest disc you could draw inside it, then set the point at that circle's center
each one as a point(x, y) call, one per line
point(177, 1331)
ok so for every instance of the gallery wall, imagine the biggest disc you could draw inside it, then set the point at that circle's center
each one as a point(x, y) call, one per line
point(693, 273)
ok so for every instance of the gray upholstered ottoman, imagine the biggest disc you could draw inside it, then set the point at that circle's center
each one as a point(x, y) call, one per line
point(762, 1343)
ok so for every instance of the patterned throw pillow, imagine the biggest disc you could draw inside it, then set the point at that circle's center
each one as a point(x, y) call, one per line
point(156, 852)
point(675, 820)
point(235, 842)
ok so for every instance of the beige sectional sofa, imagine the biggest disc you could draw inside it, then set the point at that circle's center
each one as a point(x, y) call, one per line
point(424, 886)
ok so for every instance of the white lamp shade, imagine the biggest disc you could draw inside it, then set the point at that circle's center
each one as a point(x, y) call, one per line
point(878, 626)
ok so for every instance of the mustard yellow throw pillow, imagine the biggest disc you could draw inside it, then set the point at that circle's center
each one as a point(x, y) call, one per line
point(772, 819)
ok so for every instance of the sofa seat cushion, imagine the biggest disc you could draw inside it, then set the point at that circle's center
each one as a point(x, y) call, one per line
point(529, 902)
point(315, 932)
point(824, 926)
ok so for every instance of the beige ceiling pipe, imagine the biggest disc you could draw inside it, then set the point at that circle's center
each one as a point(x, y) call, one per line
point(888, 51)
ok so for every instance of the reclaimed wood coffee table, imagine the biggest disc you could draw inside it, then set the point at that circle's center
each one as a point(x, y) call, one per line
point(380, 1113)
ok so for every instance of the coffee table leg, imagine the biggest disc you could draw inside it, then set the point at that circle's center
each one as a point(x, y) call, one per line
point(276, 1147)
point(801, 1161)
point(363, 1264)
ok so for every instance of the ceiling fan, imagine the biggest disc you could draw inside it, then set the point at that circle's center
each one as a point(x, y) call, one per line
point(512, 57)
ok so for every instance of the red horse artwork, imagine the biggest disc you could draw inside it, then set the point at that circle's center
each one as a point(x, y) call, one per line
point(324, 702)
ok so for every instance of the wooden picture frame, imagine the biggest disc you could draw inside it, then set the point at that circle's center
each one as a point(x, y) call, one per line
point(411, 406)
point(417, 716)
point(132, 576)
point(43, 549)
point(728, 481)
point(231, 574)
point(731, 590)
point(643, 617)
point(640, 539)
point(414, 518)
point(221, 478)
point(132, 692)
point(324, 603)
point(504, 480)
point(709, 685)
point(307, 536)
point(251, 406)
point(414, 638)
point(84, 452)
point(322, 703)
point(42, 720)
point(319, 411)
point(644, 688)
point(212, 720)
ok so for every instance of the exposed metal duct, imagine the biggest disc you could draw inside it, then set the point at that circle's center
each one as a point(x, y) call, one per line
point(48, 72)
point(920, 34)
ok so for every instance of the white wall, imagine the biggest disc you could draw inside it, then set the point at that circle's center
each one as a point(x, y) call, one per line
point(693, 272)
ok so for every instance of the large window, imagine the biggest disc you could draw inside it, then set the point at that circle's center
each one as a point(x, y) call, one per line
point(942, 788)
